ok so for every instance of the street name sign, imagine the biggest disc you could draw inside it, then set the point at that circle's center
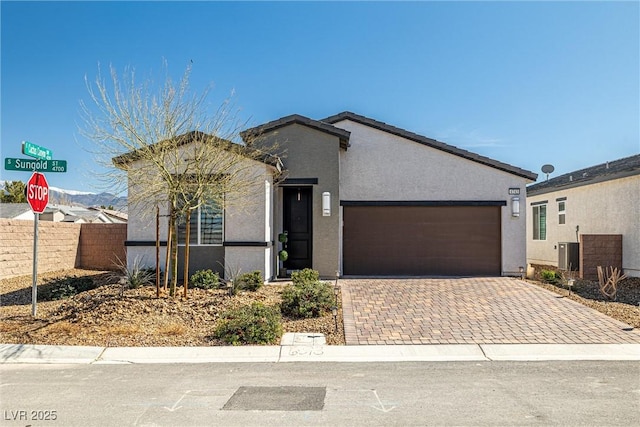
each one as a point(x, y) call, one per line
point(31, 165)
point(38, 192)
point(32, 150)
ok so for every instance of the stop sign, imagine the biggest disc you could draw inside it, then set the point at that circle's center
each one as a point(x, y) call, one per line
point(38, 192)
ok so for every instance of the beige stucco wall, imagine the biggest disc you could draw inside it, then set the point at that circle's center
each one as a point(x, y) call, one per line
point(381, 166)
point(610, 207)
point(247, 219)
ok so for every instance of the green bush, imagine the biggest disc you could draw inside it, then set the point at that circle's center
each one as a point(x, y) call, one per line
point(254, 324)
point(249, 281)
point(305, 276)
point(307, 299)
point(65, 288)
point(550, 276)
point(205, 279)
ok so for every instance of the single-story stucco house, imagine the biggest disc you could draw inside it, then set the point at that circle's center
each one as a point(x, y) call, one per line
point(363, 198)
point(590, 215)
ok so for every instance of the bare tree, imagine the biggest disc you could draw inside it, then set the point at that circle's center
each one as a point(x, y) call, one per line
point(170, 150)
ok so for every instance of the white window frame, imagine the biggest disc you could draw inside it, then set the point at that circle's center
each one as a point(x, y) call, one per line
point(562, 212)
point(539, 232)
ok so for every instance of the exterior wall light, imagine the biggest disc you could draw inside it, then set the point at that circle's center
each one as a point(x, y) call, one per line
point(326, 204)
point(515, 206)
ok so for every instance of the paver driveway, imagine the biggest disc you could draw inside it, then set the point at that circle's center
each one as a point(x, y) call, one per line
point(470, 311)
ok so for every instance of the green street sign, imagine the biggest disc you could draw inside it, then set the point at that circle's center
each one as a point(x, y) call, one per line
point(30, 165)
point(32, 150)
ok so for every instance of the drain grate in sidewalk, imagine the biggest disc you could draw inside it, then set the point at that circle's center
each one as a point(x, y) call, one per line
point(284, 398)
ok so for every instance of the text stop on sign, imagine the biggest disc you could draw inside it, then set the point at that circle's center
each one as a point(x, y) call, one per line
point(38, 192)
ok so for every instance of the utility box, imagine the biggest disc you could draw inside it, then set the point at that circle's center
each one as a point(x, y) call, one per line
point(569, 256)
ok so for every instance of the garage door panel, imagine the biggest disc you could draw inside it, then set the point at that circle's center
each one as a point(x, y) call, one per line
point(420, 240)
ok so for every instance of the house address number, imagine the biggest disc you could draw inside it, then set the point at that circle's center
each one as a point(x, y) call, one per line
point(514, 191)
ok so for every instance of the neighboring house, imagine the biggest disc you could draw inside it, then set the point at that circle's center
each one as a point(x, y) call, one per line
point(599, 200)
point(62, 213)
point(365, 198)
point(16, 211)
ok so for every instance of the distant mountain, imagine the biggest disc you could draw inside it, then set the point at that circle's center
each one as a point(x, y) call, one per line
point(72, 197)
point(65, 197)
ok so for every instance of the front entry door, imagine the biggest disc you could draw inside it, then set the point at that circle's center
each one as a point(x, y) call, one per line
point(297, 223)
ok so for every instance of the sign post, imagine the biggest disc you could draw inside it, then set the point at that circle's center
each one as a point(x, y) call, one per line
point(38, 198)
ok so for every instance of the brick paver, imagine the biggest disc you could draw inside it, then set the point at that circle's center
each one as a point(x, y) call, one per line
point(496, 310)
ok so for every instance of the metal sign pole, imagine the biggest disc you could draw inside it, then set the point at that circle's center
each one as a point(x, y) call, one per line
point(34, 289)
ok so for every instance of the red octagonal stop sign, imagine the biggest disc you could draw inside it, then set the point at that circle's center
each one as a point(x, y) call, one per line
point(38, 192)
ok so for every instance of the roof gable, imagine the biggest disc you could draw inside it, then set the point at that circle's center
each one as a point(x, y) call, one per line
point(621, 168)
point(347, 115)
point(321, 126)
point(190, 137)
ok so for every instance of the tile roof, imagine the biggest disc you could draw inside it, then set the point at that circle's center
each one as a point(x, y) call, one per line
point(321, 126)
point(347, 115)
point(190, 137)
point(607, 171)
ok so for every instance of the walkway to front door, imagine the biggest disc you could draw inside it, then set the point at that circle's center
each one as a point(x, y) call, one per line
point(495, 310)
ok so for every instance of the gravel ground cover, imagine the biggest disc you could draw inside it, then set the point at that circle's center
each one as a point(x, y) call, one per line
point(106, 316)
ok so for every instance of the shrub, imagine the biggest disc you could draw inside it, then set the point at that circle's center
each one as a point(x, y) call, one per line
point(248, 281)
point(65, 288)
point(305, 276)
point(205, 279)
point(253, 324)
point(133, 276)
point(550, 276)
point(307, 299)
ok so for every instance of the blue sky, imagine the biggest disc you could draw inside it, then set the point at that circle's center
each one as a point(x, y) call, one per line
point(526, 83)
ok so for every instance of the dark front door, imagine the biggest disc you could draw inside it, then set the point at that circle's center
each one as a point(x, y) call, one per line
point(297, 223)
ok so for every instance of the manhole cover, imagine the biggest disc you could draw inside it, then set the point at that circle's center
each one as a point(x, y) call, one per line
point(277, 399)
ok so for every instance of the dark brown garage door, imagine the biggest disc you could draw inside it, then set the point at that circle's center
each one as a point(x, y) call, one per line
point(422, 240)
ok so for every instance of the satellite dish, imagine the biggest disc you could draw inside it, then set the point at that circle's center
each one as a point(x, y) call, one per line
point(547, 169)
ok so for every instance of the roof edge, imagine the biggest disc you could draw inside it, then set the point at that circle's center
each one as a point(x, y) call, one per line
point(321, 126)
point(607, 171)
point(348, 115)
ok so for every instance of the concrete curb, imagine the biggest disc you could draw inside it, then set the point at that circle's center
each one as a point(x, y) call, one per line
point(42, 354)
point(26, 353)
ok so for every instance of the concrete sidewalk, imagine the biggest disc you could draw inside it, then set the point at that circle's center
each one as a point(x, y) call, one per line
point(306, 348)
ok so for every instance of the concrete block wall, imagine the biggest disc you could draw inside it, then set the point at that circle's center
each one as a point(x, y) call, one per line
point(599, 249)
point(60, 246)
point(101, 245)
point(57, 247)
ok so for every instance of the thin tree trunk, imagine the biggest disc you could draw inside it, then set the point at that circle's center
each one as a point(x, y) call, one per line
point(167, 254)
point(174, 258)
point(186, 253)
point(157, 251)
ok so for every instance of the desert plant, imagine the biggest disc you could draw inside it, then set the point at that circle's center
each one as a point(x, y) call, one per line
point(307, 299)
point(134, 275)
point(608, 280)
point(205, 279)
point(306, 275)
point(253, 324)
point(65, 288)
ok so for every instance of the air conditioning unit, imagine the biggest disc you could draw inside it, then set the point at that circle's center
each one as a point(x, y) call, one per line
point(568, 256)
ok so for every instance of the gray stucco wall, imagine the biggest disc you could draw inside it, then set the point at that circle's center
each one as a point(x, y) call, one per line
point(309, 153)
